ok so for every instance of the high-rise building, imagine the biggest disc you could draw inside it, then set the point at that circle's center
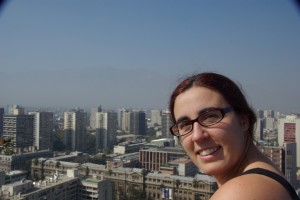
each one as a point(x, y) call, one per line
point(94, 111)
point(166, 123)
point(126, 122)
point(137, 122)
point(1, 121)
point(258, 134)
point(269, 113)
point(155, 117)
point(284, 158)
point(291, 162)
point(106, 128)
point(19, 128)
point(16, 110)
point(74, 130)
point(270, 123)
point(42, 130)
point(289, 132)
point(121, 112)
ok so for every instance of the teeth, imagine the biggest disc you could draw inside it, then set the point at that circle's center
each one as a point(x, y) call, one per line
point(208, 151)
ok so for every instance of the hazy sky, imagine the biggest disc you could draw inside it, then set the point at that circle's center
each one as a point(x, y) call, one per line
point(131, 53)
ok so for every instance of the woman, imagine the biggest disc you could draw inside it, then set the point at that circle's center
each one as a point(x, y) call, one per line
point(215, 125)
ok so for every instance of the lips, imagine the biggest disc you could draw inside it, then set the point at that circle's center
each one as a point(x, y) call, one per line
point(208, 151)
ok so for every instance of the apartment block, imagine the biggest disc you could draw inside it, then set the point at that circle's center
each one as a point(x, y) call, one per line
point(42, 130)
point(18, 128)
point(74, 130)
point(289, 131)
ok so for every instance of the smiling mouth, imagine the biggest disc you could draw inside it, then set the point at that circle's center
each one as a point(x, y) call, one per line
point(209, 151)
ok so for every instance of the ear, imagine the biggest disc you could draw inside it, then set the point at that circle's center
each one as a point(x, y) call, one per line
point(244, 121)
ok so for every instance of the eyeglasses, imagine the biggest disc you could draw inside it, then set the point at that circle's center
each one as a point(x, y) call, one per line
point(206, 118)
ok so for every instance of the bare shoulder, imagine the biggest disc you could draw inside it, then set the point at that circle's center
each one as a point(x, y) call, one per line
point(251, 186)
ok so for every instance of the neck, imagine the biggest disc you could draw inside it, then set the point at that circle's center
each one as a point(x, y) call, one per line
point(248, 157)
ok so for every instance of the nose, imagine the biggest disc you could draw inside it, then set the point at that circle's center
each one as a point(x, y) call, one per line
point(199, 132)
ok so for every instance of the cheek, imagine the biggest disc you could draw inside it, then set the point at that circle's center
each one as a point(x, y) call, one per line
point(187, 144)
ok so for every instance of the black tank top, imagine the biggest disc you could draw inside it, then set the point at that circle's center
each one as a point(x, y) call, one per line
point(277, 178)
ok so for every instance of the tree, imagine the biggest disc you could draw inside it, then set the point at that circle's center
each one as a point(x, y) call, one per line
point(144, 174)
point(135, 194)
point(7, 146)
point(57, 164)
point(58, 138)
point(177, 183)
point(87, 171)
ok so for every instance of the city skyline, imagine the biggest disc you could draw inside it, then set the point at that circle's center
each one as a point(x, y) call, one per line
point(132, 54)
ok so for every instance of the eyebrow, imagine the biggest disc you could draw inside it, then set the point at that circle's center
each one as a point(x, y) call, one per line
point(185, 118)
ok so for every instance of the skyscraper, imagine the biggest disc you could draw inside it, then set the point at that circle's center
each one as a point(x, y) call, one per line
point(166, 123)
point(42, 130)
point(94, 111)
point(1, 121)
point(121, 112)
point(106, 128)
point(19, 128)
point(155, 117)
point(289, 132)
point(74, 130)
point(137, 122)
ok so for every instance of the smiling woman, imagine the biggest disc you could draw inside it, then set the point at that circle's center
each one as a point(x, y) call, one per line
point(215, 125)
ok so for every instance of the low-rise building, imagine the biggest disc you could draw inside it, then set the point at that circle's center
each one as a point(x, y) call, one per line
point(21, 161)
point(152, 159)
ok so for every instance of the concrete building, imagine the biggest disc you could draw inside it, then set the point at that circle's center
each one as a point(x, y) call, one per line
point(153, 159)
point(155, 117)
point(163, 186)
point(128, 147)
point(16, 110)
point(258, 134)
point(21, 161)
point(185, 167)
point(106, 130)
point(289, 131)
point(284, 158)
point(121, 112)
point(60, 187)
point(75, 130)
point(16, 175)
point(126, 160)
point(128, 181)
point(42, 130)
point(1, 121)
point(166, 123)
point(94, 111)
point(137, 122)
point(125, 126)
point(19, 128)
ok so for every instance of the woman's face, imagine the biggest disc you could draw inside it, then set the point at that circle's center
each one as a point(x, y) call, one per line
point(215, 149)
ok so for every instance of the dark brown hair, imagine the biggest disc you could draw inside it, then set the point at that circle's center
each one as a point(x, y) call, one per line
point(223, 85)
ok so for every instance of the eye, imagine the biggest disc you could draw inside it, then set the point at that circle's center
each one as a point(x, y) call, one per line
point(185, 125)
point(210, 117)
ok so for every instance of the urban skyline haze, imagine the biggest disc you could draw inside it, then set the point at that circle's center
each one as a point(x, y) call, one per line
point(132, 53)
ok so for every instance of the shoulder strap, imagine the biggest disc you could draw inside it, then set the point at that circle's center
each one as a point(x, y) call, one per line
point(276, 177)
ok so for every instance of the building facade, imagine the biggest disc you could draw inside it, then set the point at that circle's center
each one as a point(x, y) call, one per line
point(18, 128)
point(289, 131)
point(74, 130)
point(42, 130)
point(106, 130)
point(152, 159)
point(166, 123)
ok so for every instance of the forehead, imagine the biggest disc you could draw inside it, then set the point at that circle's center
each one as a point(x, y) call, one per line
point(195, 99)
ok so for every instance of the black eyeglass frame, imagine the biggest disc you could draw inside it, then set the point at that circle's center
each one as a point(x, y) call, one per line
point(223, 111)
